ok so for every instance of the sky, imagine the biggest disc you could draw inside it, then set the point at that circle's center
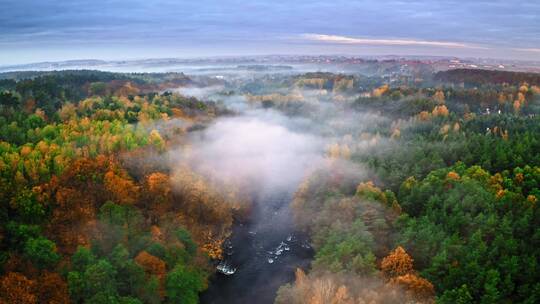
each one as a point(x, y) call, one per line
point(55, 30)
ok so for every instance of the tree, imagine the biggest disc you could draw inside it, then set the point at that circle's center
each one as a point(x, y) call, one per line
point(98, 88)
point(121, 188)
point(129, 300)
point(491, 290)
point(183, 285)
point(27, 206)
point(344, 248)
point(152, 292)
point(10, 99)
point(52, 289)
point(82, 258)
point(18, 234)
point(417, 287)
point(441, 110)
point(131, 280)
point(15, 288)
point(102, 297)
point(42, 252)
point(397, 263)
point(97, 281)
point(439, 97)
point(157, 140)
point(151, 264)
point(119, 223)
point(157, 195)
point(459, 295)
point(100, 277)
point(378, 92)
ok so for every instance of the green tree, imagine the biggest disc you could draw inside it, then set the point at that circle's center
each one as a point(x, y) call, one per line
point(82, 258)
point(27, 207)
point(183, 285)
point(42, 252)
point(459, 295)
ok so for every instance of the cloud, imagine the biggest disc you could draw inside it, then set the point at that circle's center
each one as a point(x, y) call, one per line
point(387, 42)
point(530, 50)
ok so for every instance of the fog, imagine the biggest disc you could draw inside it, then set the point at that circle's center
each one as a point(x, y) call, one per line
point(256, 148)
point(265, 155)
point(341, 288)
point(270, 149)
point(275, 139)
point(200, 92)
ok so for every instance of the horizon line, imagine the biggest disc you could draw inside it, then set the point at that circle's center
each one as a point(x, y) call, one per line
point(346, 55)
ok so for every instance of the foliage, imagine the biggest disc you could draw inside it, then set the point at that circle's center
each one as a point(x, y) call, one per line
point(479, 230)
point(464, 163)
point(72, 216)
point(183, 285)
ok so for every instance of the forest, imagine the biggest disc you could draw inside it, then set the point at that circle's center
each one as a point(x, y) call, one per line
point(424, 191)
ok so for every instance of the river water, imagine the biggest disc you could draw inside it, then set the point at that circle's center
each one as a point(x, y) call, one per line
point(271, 155)
point(265, 251)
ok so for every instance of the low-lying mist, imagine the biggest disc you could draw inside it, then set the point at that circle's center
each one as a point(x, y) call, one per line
point(260, 149)
point(269, 148)
point(265, 152)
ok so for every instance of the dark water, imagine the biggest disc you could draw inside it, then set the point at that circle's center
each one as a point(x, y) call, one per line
point(269, 236)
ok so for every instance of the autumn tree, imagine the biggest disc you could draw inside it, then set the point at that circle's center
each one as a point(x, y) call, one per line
point(439, 97)
point(397, 263)
point(120, 187)
point(15, 288)
point(72, 213)
point(441, 111)
point(151, 264)
point(52, 289)
point(378, 92)
point(417, 287)
point(157, 195)
point(341, 288)
point(398, 268)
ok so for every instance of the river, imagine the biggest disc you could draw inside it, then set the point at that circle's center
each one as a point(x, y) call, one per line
point(271, 155)
point(265, 251)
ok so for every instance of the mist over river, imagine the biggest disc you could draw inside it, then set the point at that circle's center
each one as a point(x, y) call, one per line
point(267, 153)
point(265, 252)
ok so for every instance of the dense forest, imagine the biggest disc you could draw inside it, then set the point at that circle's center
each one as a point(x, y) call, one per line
point(471, 77)
point(80, 225)
point(448, 213)
point(434, 200)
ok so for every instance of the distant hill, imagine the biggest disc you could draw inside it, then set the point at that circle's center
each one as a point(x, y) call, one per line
point(476, 77)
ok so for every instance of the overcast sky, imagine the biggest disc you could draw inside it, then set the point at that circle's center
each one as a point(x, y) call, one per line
point(39, 30)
